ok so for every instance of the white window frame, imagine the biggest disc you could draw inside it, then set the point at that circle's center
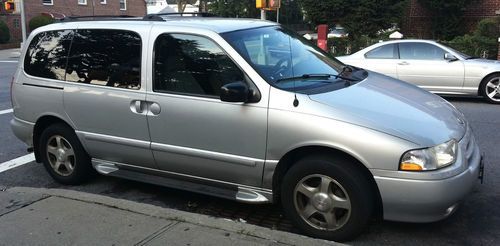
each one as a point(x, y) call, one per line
point(103, 2)
point(124, 4)
point(48, 4)
point(82, 3)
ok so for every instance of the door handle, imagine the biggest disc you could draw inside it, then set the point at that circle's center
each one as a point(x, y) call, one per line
point(404, 63)
point(137, 106)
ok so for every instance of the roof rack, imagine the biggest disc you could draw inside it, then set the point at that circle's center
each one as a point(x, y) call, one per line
point(97, 17)
point(149, 17)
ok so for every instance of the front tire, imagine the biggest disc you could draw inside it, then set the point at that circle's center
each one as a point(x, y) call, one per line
point(63, 155)
point(327, 197)
point(490, 88)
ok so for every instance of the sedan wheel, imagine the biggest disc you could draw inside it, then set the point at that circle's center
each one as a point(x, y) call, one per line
point(490, 89)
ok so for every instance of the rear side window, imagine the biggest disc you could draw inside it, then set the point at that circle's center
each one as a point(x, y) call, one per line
point(387, 51)
point(47, 53)
point(190, 64)
point(105, 57)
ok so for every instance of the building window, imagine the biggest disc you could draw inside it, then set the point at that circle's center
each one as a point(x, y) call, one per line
point(123, 4)
point(82, 2)
point(16, 23)
point(103, 2)
point(47, 2)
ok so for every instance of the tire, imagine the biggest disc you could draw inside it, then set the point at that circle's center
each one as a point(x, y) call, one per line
point(345, 183)
point(490, 88)
point(63, 156)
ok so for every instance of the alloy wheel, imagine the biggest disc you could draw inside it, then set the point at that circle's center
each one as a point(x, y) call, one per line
point(322, 202)
point(61, 155)
point(492, 89)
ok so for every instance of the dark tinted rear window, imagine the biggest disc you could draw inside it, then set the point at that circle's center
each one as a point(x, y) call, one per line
point(46, 55)
point(105, 57)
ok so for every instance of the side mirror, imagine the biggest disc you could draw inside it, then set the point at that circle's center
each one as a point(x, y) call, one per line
point(235, 92)
point(450, 57)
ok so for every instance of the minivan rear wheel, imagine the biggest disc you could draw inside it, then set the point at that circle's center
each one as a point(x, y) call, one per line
point(327, 197)
point(63, 155)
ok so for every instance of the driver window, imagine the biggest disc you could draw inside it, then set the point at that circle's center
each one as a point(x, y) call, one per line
point(190, 64)
point(420, 51)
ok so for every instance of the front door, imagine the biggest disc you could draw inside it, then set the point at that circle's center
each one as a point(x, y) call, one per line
point(424, 65)
point(192, 131)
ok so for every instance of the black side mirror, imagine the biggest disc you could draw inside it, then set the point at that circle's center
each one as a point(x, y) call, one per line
point(235, 92)
point(449, 57)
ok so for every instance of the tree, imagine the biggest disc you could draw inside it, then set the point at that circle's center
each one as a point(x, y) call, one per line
point(234, 8)
point(181, 4)
point(39, 21)
point(447, 17)
point(4, 33)
point(359, 17)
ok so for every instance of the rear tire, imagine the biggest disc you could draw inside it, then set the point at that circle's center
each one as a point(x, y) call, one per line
point(490, 88)
point(327, 197)
point(63, 155)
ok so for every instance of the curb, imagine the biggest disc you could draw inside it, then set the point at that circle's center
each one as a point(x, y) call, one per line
point(182, 216)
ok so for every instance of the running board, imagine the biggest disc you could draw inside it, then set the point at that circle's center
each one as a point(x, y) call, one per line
point(178, 181)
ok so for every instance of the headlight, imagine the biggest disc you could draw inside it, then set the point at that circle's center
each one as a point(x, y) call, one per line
point(431, 158)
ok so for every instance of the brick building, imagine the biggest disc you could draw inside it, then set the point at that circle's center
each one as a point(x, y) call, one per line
point(61, 8)
point(418, 19)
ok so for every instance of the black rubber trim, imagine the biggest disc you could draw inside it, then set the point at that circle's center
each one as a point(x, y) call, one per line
point(44, 86)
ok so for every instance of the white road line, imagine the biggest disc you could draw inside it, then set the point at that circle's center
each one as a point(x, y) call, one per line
point(16, 162)
point(6, 111)
point(10, 61)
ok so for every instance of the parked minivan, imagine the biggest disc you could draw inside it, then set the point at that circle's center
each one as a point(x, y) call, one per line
point(241, 109)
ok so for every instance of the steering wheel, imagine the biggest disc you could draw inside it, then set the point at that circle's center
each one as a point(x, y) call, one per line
point(280, 67)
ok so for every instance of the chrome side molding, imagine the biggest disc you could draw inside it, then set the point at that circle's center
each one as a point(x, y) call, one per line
point(104, 167)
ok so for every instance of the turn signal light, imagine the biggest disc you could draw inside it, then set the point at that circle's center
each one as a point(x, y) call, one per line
point(410, 167)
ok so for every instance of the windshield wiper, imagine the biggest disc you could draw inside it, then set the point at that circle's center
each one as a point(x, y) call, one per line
point(317, 76)
point(472, 57)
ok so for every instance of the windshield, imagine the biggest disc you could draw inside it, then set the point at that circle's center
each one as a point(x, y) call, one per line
point(286, 60)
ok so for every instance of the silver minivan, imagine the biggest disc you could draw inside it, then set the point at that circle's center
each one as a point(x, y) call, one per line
point(241, 109)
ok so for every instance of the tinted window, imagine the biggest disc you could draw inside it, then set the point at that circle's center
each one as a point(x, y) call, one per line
point(388, 51)
point(192, 65)
point(105, 57)
point(420, 51)
point(47, 53)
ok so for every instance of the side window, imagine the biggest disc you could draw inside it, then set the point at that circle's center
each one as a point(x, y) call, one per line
point(190, 64)
point(388, 51)
point(105, 57)
point(420, 51)
point(47, 53)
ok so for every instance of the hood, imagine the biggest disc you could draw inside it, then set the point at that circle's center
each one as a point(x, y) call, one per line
point(483, 61)
point(396, 108)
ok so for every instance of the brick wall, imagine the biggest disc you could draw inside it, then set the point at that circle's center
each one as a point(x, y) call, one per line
point(418, 21)
point(71, 8)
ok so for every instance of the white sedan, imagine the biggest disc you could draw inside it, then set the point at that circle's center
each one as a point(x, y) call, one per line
point(431, 66)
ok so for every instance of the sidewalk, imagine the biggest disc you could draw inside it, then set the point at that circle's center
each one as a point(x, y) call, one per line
point(10, 54)
point(36, 216)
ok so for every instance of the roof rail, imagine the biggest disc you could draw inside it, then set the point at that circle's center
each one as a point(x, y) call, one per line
point(97, 17)
point(190, 14)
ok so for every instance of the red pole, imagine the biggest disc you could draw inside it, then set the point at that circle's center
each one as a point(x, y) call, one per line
point(323, 37)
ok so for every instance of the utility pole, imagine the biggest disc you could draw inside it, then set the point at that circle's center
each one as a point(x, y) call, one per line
point(23, 21)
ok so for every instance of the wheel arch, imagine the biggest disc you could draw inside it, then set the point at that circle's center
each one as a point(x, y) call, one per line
point(40, 125)
point(291, 157)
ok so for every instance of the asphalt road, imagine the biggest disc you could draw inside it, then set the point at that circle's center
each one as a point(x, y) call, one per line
point(477, 222)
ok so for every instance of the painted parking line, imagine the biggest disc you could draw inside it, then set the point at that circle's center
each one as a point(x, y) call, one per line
point(17, 162)
point(10, 61)
point(7, 111)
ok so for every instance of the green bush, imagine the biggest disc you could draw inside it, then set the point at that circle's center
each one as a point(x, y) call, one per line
point(483, 42)
point(39, 21)
point(4, 33)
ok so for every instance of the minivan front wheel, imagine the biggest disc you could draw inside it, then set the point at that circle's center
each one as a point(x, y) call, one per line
point(63, 155)
point(327, 197)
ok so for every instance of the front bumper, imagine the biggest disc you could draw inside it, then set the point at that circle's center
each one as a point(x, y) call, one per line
point(428, 200)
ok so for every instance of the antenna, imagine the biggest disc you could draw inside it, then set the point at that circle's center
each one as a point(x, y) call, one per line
point(295, 100)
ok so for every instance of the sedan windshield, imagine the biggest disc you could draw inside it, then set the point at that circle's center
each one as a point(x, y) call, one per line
point(288, 61)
